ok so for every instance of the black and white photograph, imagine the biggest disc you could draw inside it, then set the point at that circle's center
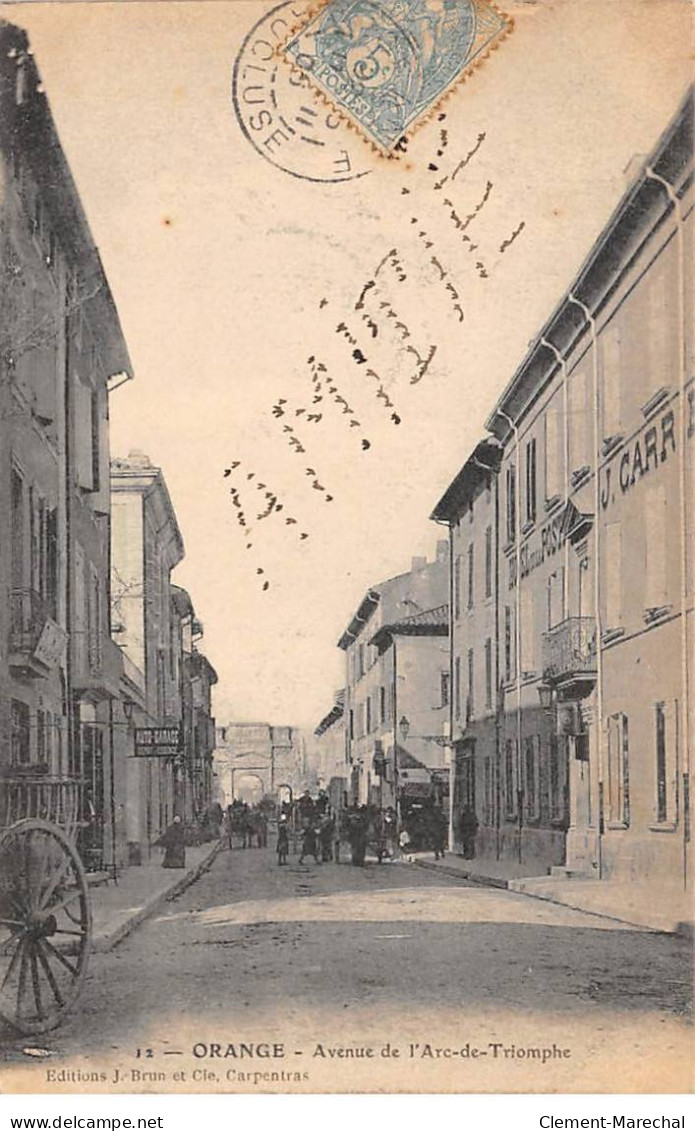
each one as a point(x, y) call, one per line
point(347, 547)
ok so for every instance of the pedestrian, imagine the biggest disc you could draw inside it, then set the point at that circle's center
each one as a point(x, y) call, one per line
point(173, 841)
point(405, 844)
point(358, 836)
point(439, 833)
point(309, 843)
point(468, 829)
point(326, 834)
point(283, 844)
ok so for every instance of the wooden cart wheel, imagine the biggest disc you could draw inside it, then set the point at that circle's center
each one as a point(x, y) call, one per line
point(45, 925)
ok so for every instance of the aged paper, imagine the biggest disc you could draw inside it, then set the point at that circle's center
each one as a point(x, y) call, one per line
point(338, 271)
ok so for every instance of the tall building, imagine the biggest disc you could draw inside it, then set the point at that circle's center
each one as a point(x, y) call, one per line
point(61, 354)
point(197, 677)
point(146, 622)
point(376, 687)
point(329, 752)
point(590, 757)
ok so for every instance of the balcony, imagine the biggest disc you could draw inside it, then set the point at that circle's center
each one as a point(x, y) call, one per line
point(569, 657)
point(37, 643)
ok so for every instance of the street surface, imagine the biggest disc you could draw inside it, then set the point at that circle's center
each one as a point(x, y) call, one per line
point(328, 962)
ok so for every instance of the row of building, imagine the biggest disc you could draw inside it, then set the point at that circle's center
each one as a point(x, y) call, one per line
point(540, 671)
point(100, 658)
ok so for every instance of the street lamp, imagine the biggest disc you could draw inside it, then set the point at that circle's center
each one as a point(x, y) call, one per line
point(545, 694)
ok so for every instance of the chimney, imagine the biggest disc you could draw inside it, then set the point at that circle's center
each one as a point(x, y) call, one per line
point(442, 550)
point(418, 564)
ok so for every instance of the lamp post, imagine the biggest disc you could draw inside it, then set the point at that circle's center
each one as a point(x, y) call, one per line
point(404, 728)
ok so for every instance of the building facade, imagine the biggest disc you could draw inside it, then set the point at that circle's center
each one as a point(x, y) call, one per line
point(375, 685)
point(594, 557)
point(147, 624)
point(328, 753)
point(194, 785)
point(61, 354)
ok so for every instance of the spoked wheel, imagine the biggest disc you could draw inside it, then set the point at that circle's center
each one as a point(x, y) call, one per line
point(45, 925)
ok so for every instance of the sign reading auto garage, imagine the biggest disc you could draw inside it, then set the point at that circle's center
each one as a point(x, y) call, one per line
point(157, 742)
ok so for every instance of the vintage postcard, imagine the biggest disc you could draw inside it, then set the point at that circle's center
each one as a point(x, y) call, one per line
point(347, 546)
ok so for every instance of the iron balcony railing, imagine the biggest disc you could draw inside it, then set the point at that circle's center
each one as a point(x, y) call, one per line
point(54, 799)
point(28, 615)
point(569, 649)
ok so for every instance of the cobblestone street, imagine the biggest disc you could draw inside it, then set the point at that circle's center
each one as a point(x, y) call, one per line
point(469, 984)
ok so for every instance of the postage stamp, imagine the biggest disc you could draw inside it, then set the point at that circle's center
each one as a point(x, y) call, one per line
point(386, 64)
point(277, 113)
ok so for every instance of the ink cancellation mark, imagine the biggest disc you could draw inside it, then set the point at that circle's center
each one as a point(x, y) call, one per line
point(387, 64)
point(278, 113)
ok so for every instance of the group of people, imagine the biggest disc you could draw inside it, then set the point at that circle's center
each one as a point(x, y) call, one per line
point(323, 832)
point(248, 824)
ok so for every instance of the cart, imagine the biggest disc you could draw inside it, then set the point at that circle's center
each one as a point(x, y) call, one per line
point(45, 916)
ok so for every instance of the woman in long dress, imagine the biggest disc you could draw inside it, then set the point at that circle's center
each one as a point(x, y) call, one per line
point(174, 844)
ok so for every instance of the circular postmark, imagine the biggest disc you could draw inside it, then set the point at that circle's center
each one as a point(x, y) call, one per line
point(278, 114)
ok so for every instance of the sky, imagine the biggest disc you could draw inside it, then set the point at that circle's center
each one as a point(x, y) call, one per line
point(229, 274)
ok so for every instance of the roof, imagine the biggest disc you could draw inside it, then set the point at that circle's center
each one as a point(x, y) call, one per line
point(485, 458)
point(364, 612)
point(638, 214)
point(181, 601)
point(28, 127)
point(431, 622)
point(334, 715)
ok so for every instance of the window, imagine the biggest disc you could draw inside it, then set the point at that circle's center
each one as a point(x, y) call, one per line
point(360, 661)
point(613, 576)
point(95, 420)
point(51, 592)
point(556, 776)
point(511, 502)
point(471, 575)
point(489, 797)
point(17, 504)
point(580, 420)
point(618, 791)
point(554, 456)
point(488, 673)
point(556, 597)
point(444, 686)
point(666, 740)
point(41, 751)
point(94, 620)
point(655, 576)
point(457, 687)
point(351, 724)
point(382, 704)
point(659, 344)
point(528, 634)
point(20, 741)
point(510, 776)
point(531, 481)
point(368, 710)
point(509, 645)
point(470, 702)
point(610, 351)
point(532, 746)
point(84, 434)
point(488, 561)
point(457, 587)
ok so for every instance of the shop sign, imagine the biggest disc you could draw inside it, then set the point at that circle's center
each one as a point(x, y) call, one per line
point(158, 742)
point(646, 452)
point(50, 645)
